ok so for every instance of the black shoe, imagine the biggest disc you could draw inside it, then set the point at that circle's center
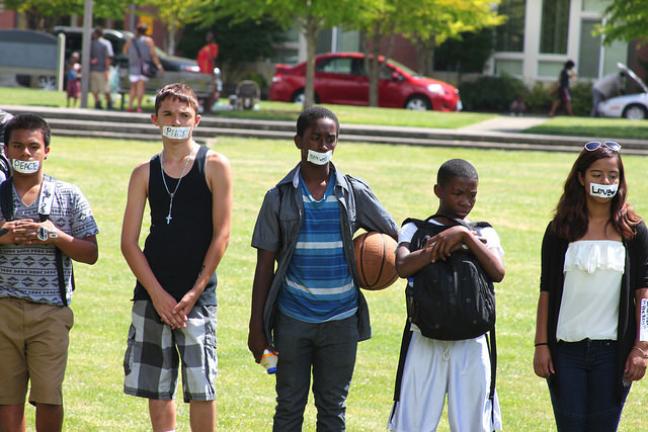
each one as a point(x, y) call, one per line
point(98, 105)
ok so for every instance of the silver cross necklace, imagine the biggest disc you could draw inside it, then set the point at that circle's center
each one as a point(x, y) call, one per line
point(172, 194)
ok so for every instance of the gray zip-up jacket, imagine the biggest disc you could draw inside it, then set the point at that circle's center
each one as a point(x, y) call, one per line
point(280, 219)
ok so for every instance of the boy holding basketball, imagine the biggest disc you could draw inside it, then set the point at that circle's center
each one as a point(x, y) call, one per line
point(310, 310)
point(433, 367)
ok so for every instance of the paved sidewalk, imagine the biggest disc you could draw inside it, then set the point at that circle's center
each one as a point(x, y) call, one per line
point(509, 124)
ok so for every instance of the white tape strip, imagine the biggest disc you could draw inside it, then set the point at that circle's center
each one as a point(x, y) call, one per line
point(643, 321)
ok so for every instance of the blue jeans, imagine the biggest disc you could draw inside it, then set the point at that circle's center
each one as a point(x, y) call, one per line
point(583, 390)
point(329, 350)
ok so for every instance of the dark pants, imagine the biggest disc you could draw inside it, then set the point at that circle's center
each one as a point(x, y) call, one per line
point(583, 390)
point(329, 350)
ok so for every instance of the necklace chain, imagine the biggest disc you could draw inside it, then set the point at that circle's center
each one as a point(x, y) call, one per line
point(166, 187)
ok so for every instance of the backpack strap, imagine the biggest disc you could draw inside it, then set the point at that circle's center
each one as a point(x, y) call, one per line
point(45, 200)
point(4, 164)
point(6, 199)
point(405, 342)
point(492, 353)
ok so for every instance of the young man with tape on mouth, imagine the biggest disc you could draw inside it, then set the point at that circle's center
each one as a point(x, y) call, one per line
point(189, 192)
point(47, 222)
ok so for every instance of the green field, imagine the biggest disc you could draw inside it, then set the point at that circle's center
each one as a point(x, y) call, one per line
point(517, 193)
point(593, 127)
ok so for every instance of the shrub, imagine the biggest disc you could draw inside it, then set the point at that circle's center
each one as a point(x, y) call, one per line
point(491, 93)
point(582, 98)
point(539, 98)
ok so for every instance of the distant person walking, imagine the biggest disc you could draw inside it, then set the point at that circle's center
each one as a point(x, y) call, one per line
point(101, 53)
point(605, 88)
point(206, 62)
point(73, 77)
point(564, 90)
point(140, 50)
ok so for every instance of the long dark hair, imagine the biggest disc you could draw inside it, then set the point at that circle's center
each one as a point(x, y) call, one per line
point(571, 219)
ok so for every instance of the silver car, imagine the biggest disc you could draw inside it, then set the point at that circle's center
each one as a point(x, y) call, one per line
point(632, 106)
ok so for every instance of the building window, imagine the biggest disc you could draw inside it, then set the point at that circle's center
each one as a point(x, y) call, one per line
point(555, 26)
point(510, 35)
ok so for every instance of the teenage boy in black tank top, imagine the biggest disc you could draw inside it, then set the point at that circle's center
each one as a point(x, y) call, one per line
point(189, 191)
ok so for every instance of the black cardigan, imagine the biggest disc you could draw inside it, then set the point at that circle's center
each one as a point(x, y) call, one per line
point(635, 277)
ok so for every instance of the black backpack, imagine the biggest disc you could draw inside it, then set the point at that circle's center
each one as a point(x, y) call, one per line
point(452, 299)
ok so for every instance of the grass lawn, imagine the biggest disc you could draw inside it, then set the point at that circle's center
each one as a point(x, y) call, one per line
point(276, 110)
point(593, 127)
point(517, 193)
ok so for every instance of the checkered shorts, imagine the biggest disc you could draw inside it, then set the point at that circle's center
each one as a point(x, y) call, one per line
point(154, 350)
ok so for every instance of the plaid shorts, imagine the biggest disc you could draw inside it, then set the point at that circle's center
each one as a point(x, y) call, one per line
point(154, 350)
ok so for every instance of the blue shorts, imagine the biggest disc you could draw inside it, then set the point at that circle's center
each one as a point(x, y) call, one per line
point(154, 352)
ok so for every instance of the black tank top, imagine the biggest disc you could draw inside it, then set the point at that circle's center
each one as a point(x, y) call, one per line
point(176, 251)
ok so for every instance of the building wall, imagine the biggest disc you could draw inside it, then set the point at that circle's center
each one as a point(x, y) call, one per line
point(592, 58)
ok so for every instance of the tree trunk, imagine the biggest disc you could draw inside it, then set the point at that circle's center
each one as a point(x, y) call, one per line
point(374, 66)
point(171, 42)
point(311, 29)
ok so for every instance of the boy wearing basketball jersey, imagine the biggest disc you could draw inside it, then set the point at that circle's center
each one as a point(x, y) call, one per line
point(189, 191)
point(310, 310)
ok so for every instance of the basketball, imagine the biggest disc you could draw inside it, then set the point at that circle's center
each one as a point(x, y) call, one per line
point(375, 256)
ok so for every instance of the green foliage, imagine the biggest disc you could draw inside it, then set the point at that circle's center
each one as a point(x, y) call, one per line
point(43, 14)
point(240, 42)
point(582, 98)
point(491, 93)
point(625, 20)
point(467, 54)
point(538, 99)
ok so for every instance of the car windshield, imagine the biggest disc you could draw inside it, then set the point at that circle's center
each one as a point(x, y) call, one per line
point(404, 68)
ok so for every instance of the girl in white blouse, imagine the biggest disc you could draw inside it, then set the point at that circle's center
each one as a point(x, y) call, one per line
point(589, 344)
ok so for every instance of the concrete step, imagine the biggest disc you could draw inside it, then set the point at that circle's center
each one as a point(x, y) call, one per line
point(138, 126)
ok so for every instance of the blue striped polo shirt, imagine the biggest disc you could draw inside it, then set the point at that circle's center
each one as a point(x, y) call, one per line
point(319, 286)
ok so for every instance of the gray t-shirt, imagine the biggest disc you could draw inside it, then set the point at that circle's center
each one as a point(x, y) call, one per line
point(29, 272)
point(98, 52)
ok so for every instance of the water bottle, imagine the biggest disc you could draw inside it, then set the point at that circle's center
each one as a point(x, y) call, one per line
point(269, 361)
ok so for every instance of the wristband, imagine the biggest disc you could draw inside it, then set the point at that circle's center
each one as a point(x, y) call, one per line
point(541, 344)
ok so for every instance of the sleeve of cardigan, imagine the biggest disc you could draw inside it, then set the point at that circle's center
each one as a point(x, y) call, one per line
point(640, 257)
point(548, 258)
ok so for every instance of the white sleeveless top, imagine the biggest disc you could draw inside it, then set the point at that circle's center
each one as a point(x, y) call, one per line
point(590, 301)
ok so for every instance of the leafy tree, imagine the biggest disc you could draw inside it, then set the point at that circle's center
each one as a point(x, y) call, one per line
point(311, 16)
point(426, 23)
point(45, 14)
point(625, 20)
point(239, 42)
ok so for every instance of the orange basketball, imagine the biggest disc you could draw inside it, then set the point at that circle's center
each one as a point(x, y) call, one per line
point(375, 256)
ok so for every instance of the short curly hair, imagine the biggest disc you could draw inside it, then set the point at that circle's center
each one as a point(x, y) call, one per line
point(310, 115)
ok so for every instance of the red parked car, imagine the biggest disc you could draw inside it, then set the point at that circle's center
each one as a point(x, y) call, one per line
point(340, 78)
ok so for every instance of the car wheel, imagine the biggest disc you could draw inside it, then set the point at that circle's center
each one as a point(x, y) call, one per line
point(299, 96)
point(635, 112)
point(418, 103)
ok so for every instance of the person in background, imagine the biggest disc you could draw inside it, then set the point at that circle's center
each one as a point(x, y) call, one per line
point(73, 77)
point(206, 61)
point(564, 89)
point(605, 88)
point(100, 55)
point(139, 49)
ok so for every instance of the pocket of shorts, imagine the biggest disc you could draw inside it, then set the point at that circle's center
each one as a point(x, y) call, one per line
point(129, 350)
